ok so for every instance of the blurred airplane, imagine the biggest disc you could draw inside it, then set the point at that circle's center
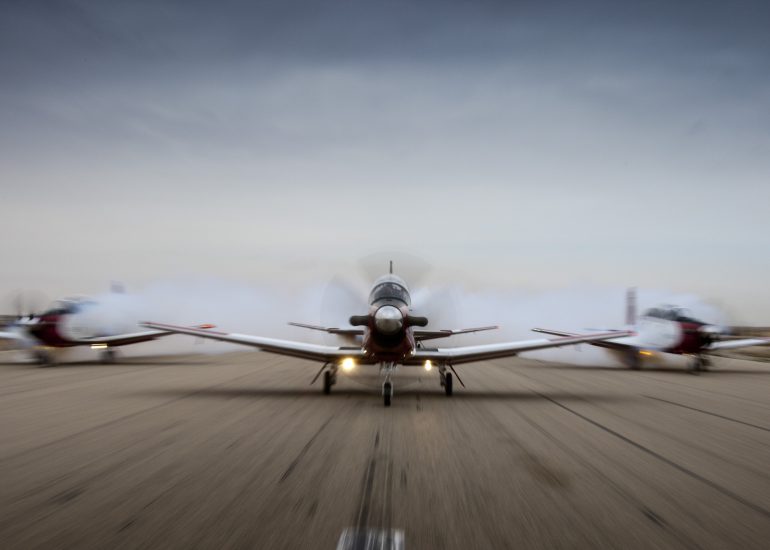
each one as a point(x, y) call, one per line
point(667, 330)
point(68, 324)
point(390, 336)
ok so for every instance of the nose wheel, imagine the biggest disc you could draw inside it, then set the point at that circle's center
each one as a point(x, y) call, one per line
point(108, 357)
point(387, 393)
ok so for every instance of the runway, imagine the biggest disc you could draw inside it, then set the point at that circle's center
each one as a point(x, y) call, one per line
point(238, 451)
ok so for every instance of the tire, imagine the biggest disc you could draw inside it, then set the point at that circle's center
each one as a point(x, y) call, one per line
point(696, 366)
point(327, 382)
point(387, 393)
point(448, 385)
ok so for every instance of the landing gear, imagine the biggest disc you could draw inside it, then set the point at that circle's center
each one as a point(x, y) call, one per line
point(446, 380)
point(633, 361)
point(108, 357)
point(387, 369)
point(43, 358)
point(697, 365)
point(330, 378)
point(387, 393)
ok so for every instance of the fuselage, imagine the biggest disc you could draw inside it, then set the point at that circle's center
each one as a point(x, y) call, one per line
point(388, 326)
point(70, 322)
point(674, 330)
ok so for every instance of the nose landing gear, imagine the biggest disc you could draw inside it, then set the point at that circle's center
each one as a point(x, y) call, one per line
point(387, 393)
point(387, 386)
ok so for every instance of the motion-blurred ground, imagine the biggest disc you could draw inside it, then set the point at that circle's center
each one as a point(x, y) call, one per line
point(238, 451)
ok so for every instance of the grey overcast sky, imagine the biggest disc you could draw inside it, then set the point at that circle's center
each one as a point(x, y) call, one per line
point(524, 144)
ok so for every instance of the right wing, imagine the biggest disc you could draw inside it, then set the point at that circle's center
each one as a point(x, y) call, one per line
point(444, 333)
point(331, 330)
point(469, 354)
point(735, 344)
point(302, 350)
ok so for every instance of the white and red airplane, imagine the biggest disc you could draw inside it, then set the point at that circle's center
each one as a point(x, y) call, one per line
point(71, 323)
point(389, 335)
point(665, 331)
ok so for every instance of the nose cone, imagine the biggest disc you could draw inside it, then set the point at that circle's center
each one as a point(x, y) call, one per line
point(388, 320)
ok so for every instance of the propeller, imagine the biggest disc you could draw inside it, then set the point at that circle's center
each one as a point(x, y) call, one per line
point(25, 304)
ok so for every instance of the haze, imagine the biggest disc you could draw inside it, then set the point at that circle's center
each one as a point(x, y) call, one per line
point(509, 145)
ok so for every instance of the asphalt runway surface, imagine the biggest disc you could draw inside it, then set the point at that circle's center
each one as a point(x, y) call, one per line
point(238, 451)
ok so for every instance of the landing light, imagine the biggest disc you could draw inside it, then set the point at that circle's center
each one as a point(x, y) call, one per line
point(645, 353)
point(428, 365)
point(98, 346)
point(348, 364)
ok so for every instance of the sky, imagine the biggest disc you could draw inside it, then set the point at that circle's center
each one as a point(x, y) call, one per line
point(533, 146)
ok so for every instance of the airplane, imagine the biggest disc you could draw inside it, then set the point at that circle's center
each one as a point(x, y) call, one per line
point(389, 335)
point(70, 323)
point(664, 331)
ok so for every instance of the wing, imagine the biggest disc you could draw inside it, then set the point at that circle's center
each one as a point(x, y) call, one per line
point(124, 339)
point(433, 334)
point(11, 336)
point(331, 330)
point(628, 341)
point(302, 350)
point(18, 338)
point(736, 344)
point(468, 354)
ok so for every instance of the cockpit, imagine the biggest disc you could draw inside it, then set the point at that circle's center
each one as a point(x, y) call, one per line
point(390, 288)
point(67, 306)
point(672, 313)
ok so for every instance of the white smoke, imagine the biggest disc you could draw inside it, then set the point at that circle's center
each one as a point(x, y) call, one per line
point(265, 310)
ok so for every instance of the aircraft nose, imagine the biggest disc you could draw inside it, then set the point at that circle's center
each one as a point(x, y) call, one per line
point(388, 320)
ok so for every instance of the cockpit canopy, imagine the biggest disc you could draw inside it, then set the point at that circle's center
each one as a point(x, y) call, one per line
point(672, 313)
point(390, 287)
point(68, 306)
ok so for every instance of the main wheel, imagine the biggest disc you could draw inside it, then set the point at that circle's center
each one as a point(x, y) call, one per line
point(696, 365)
point(387, 393)
point(328, 381)
point(448, 384)
point(108, 357)
point(43, 359)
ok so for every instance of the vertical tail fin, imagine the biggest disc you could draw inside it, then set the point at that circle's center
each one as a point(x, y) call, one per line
point(631, 306)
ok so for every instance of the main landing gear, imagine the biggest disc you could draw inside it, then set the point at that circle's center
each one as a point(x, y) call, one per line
point(698, 364)
point(43, 358)
point(108, 357)
point(446, 380)
point(330, 378)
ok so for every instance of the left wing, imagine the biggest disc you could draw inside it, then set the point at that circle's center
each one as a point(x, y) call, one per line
point(468, 354)
point(629, 341)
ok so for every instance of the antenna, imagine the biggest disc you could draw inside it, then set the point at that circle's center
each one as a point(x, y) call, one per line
point(391, 267)
point(631, 306)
